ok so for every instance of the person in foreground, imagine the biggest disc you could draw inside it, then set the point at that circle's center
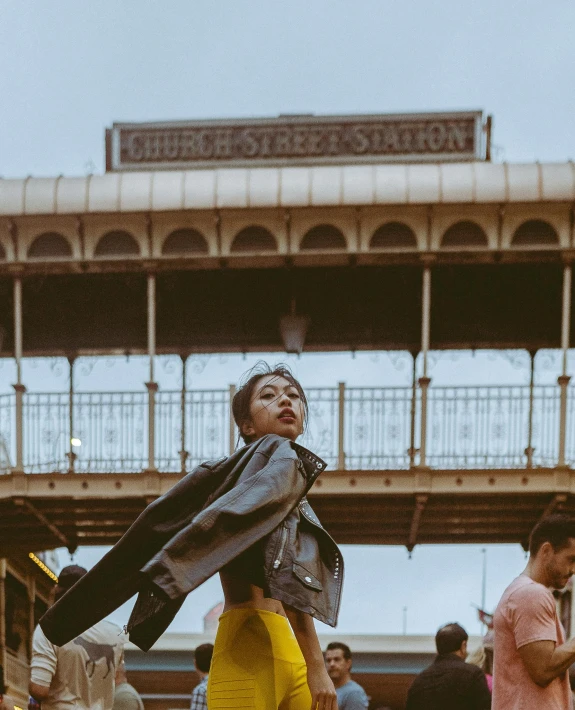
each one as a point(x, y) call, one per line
point(245, 516)
point(531, 657)
point(449, 683)
point(350, 695)
point(79, 674)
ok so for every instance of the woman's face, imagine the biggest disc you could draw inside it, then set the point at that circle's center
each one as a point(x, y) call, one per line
point(275, 408)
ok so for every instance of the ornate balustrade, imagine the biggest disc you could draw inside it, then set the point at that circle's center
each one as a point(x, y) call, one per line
point(352, 428)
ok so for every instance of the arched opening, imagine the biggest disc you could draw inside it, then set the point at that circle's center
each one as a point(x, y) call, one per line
point(49, 245)
point(254, 238)
point(393, 235)
point(185, 241)
point(324, 236)
point(464, 234)
point(535, 232)
point(117, 243)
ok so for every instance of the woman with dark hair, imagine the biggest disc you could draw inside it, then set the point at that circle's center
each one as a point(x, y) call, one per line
point(247, 517)
point(256, 654)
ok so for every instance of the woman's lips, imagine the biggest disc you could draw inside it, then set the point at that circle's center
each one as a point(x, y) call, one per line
point(287, 420)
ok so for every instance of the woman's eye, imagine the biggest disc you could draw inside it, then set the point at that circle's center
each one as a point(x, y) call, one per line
point(294, 395)
point(267, 395)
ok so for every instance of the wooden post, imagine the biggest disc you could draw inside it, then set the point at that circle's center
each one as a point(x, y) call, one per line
point(3, 613)
point(413, 412)
point(183, 453)
point(151, 385)
point(70, 454)
point(19, 388)
point(529, 448)
point(341, 428)
point(424, 380)
point(564, 379)
point(232, 446)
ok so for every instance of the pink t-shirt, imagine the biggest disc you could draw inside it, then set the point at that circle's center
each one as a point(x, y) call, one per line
point(526, 613)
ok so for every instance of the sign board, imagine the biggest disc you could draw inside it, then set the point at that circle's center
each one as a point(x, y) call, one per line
point(296, 140)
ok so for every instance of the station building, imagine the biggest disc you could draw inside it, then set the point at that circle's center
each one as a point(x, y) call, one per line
point(297, 233)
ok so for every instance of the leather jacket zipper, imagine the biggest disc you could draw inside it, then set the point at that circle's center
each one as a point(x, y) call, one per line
point(283, 542)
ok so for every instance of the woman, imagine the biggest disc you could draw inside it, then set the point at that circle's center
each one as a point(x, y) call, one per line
point(256, 655)
point(247, 517)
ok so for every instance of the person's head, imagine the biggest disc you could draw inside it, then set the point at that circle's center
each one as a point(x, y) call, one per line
point(270, 401)
point(203, 657)
point(67, 578)
point(338, 662)
point(452, 638)
point(552, 550)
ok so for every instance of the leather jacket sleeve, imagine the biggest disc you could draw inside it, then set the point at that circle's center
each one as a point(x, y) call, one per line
point(116, 577)
point(181, 539)
point(257, 504)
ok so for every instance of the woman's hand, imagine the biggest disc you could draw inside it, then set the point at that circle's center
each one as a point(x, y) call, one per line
point(321, 687)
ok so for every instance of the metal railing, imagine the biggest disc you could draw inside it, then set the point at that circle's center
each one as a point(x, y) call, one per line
point(351, 428)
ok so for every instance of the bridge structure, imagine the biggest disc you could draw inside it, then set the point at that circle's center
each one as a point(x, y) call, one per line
point(388, 257)
point(434, 252)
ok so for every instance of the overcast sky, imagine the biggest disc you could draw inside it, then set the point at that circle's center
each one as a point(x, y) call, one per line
point(69, 69)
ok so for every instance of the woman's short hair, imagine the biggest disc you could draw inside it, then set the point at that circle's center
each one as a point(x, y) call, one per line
point(243, 397)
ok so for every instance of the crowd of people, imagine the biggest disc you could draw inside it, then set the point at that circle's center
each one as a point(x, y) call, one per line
point(247, 517)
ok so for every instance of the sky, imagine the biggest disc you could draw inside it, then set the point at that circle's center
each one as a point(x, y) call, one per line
point(68, 70)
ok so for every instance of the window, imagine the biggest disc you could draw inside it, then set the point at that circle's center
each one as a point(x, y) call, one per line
point(117, 243)
point(324, 236)
point(48, 246)
point(393, 235)
point(464, 234)
point(253, 239)
point(535, 232)
point(185, 241)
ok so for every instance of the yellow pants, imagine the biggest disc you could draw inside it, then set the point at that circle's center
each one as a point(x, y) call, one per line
point(257, 664)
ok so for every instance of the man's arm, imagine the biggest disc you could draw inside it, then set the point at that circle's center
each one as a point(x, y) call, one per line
point(39, 692)
point(43, 665)
point(320, 684)
point(545, 661)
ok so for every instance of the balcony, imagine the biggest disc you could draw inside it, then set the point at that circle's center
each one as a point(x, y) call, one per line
point(354, 429)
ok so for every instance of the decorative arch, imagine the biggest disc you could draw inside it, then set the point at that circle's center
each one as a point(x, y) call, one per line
point(464, 234)
point(49, 245)
point(117, 243)
point(323, 236)
point(535, 232)
point(185, 241)
point(254, 238)
point(393, 235)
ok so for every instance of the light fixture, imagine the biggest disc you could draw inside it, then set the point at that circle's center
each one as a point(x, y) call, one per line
point(293, 329)
point(75, 441)
point(43, 567)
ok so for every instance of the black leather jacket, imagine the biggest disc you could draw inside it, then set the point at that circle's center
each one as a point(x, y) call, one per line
point(220, 510)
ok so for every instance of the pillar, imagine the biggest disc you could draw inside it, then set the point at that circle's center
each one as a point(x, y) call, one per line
point(151, 385)
point(19, 388)
point(425, 380)
point(564, 379)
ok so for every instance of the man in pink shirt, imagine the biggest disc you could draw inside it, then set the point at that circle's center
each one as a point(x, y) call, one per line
point(531, 657)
